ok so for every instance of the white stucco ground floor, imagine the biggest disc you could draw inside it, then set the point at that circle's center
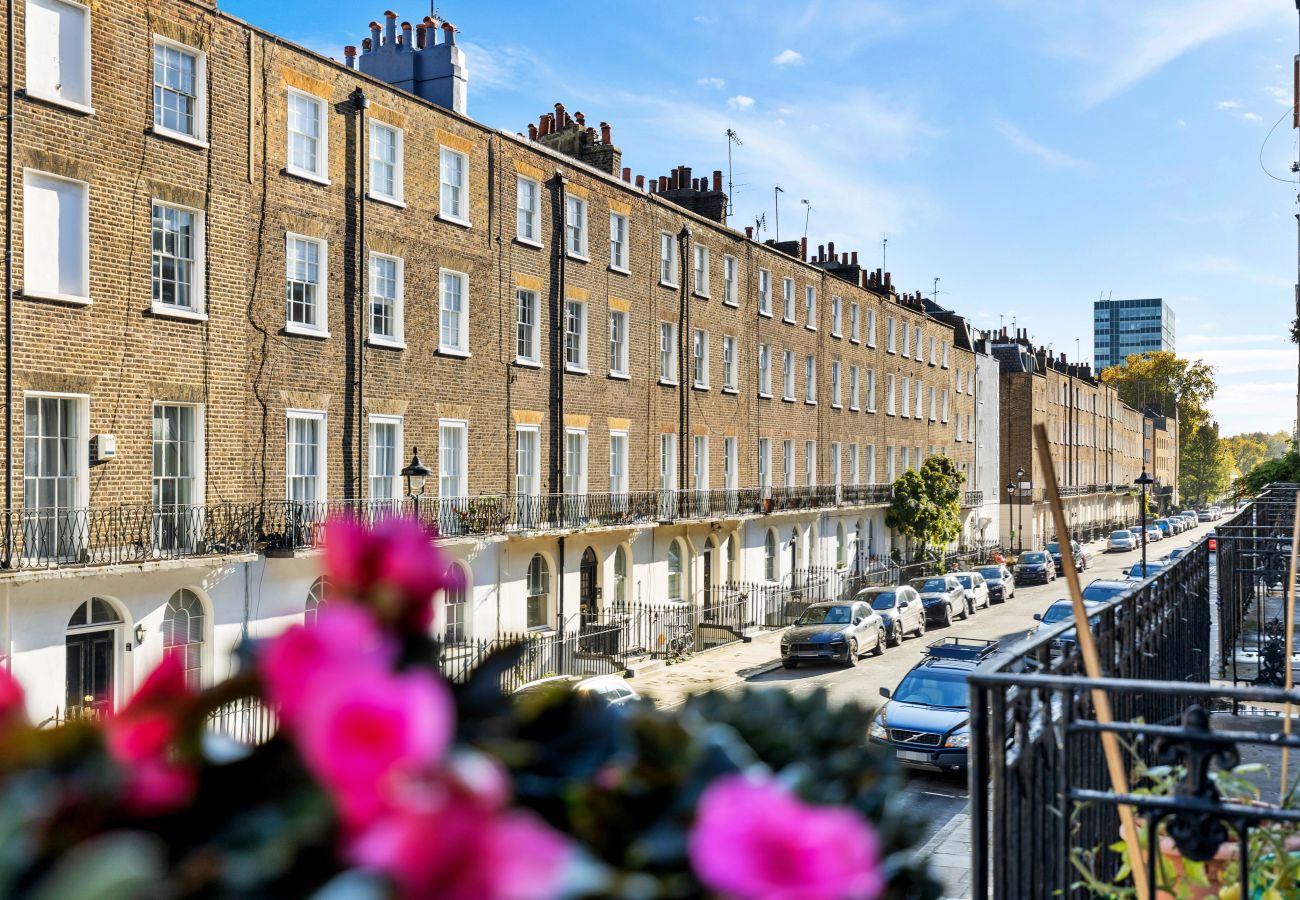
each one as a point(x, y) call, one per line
point(1030, 524)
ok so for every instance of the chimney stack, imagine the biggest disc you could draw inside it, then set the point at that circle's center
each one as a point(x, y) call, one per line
point(717, 180)
point(605, 133)
point(803, 249)
point(627, 173)
point(580, 119)
point(749, 232)
point(640, 182)
point(853, 258)
point(390, 28)
point(532, 132)
point(350, 56)
point(406, 36)
point(888, 286)
point(421, 35)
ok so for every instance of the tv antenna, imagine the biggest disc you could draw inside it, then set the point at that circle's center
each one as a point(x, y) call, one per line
point(884, 253)
point(935, 296)
point(776, 194)
point(732, 138)
point(807, 212)
point(760, 223)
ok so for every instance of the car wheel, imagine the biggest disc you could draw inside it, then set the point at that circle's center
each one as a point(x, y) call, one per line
point(851, 658)
point(947, 616)
point(965, 610)
point(790, 663)
point(897, 637)
point(880, 643)
point(920, 627)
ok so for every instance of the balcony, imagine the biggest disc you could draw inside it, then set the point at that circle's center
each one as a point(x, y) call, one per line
point(972, 498)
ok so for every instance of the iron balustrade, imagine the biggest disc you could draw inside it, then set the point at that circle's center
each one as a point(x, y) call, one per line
point(973, 498)
point(866, 494)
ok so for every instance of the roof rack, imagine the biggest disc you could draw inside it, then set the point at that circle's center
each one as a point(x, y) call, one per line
point(969, 649)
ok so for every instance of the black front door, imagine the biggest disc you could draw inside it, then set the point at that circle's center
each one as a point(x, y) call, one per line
point(587, 589)
point(90, 674)
point(709, 551)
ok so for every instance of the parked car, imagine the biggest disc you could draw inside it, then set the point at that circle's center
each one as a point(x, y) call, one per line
point(1036, 565)
point(1136, 573)
point(1121, 540)
point(1002, 584)
point(1080, 556)
point(1136, 531)
point(1175, 553)
point(1213, 540)
point(1104, 590)
point(977, 591)
point(833, 632)
point(1204, 515)
point(1063, 611)
point(1166, 528)
point(900, 609)
point(925, 719)
point(1154, 534)
point(944, 598)
point(611, 690)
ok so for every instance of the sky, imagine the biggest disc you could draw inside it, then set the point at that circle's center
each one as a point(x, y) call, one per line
point(1032, 156)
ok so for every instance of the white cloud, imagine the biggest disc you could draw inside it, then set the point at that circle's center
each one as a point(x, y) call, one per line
point(1254, 406)
point(788, 58)
point(1193, 342)
point(1182, 123)
point(706, 20)
point(1251, 117)
point(1227, 104)
point(711, 81)
point(1213, 264)
point(1279, 92)
point(1025, 144)
point(740, 102)
point(501, 68)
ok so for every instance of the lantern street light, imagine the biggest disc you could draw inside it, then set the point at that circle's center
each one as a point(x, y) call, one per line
point(1145, 481)
point(415, 475)
point(1020, 483)
point(1011, 492)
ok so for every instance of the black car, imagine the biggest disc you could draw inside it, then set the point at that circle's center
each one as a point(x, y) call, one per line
point(1076, 550)
point(1002, 584)
point(1036, 565)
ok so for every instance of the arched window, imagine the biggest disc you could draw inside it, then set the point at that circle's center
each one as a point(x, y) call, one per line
point(620, 577)
point(182, 633)
point(769, 556)
point(675, 571)
point(454, 601)
point(315, 602)
point(94, 612)
point(539, 592)
point(91, 650)
point(841, 547)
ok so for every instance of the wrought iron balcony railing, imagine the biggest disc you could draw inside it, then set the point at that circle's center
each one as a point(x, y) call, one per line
point(973, 498)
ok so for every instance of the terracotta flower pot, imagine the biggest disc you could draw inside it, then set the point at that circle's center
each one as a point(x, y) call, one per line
point(1214, 868)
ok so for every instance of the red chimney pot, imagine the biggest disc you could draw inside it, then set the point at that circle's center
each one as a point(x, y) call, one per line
point(605, 133)
point(349, 50)
point(717, 180)
point(640, 181)
point(390, 15)
point(749, 232)
point(627, 174)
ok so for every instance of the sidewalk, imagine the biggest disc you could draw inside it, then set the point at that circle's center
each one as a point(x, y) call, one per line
point(950, 859)
point(712, 670)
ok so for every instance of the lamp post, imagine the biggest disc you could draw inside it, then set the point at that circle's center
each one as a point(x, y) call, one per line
point(1011, 492)
point(1145, 481)
point(1020, 481)
point(415, 474)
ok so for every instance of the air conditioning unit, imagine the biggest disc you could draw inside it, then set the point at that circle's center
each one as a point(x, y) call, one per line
point(103, 447)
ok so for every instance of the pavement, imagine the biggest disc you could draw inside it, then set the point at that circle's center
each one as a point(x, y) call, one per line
point(941, 801)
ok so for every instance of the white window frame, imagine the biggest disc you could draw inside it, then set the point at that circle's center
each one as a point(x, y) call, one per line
point(618, 353)
point(764, 463)
point(855, 323)
point(871, 390)
point(668, 371)
point(837, 314)
point(787, 375)
point(86, 85)
point(668, 461)
point(198, 309)
point(905, 327)
point(444, 214)
point(855, 473)
point(398, 196)
point(787, 300)
point(730, 281)
point(700, 359)
point(397, 339)
point(835, 384)
point(322, 467)
point(321, 301)
point(618, 480)
point(462, 476)
point(787, 463)
point(765, 292)
point(396, 478)
point(730, 464)
point(891, 403)
point(810, 380)
point(854, 388)
point(871, 328)
point(765, 370)
point(531, 215)
point(34, 249)
point(810, 463)
point(667, 259)
point(919, 409)
point(572, 306)
point(534, 488)
point(871, 464)
point(321, 173)
point(199, 137)
point(835, 463)
point(700, 463)
point(461, 348)
point(576, 226)
point(907, 397)
point(618, 250)
point(533, 328)
point(891, 335)
point(730, 365)
point(700, 271)
point(810, 307)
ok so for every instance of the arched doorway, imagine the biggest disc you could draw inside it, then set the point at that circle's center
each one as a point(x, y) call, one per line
point(794, 557)
point(91, 668)
point(588, 601)
point(710, 568)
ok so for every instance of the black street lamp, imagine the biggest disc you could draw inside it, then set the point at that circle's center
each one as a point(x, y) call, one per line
point(1011, 492)
point(1020, 482)
point(415, 475)
point(1145, 481)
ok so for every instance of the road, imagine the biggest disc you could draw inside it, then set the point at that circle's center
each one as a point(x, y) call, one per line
point(940, 797)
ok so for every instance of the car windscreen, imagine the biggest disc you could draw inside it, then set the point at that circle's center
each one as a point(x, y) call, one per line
point(1057, 612)
point(930, 584)
point(825, 615)
point(932, 686)
point(992, 573)
point(883, 600)
point(1053, 548)
point(1102, 592)
point(1136, 571)
point(966, 581)
point(1034, 558)
point(1120, 534)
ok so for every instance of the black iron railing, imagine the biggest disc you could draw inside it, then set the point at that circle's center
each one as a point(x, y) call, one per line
point(972, 498)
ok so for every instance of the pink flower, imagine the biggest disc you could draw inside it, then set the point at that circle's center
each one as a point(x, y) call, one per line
point(393, 567)
point(360, 728)
point(754, 839)
point(440, 839)
point(141, 739)
point(12, 709)
point(344, 638)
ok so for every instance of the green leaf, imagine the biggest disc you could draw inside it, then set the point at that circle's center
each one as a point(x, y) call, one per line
point(114, 866)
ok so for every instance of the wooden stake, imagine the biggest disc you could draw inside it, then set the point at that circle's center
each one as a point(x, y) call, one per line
point(1289, 593)
point(1092, 666)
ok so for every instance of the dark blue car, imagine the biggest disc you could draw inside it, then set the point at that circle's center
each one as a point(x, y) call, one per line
point(926, 720)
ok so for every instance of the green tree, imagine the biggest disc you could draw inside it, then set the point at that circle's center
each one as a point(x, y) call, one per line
point(1206, 466)
point(1245, 452)
point(927, 504)
point(1174, 385)
point(1286, 469)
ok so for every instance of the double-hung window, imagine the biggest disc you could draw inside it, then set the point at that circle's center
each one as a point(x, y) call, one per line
point(835, 383)
point(787, 463)
point(810, 307)
point(787, 375)
point(304, 299)
point(764, 463)
point(56, 237)
point(729, 363)
point(855, 323)
point(907, 346)
point(854, 475)
point(730, 460)
point(179, 88)
point(386, 163)
point(730, 289)
point(528, 225)
point(920, 412)
point(618, 462)
point(453, 186)
point(667, 461)
point(177, 259)
point(575, 226)
point(55, 477)
point(945, 354)
point(853, 388)
point(667, 259)
point(836, 474)
point(764, 292)
point(871, 390)
point(871, 464)
point(575, 336)
point(907, 397)
point(919, 339)
point(871, 328)
point(305, 456)
point(700, 357)
point(452, 462)
point(764, 370)
point(701, 270)
point(934, 350)
point(809, 463)
point(618, 364)
point(668, 352)
point(810, 379)
point(177, 473)
point(385, 458)
point(385, 300)
point(58, 53)
point(787, 299)
point(526, 327)
point(618, 241)
point(933, 404)
point(700, 461)
point(836, 315)
point(891, 339)
point(528, 460)
point(891, 407)
point(307, 128)
point(453, 312)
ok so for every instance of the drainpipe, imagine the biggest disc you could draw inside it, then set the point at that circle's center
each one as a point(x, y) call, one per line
point(361, 103)
point(557, 384)
point(9, 288)
point(683, 369)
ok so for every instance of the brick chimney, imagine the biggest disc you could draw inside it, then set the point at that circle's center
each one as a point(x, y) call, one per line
point(570, 135)
point(700, 195)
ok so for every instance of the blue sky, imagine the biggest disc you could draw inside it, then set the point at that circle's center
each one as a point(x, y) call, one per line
point(1032, 155)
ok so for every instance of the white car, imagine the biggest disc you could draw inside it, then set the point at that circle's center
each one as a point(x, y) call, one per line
point(612, 690)
point(1121, 540)
point(977, 590)
point(1154, 534)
